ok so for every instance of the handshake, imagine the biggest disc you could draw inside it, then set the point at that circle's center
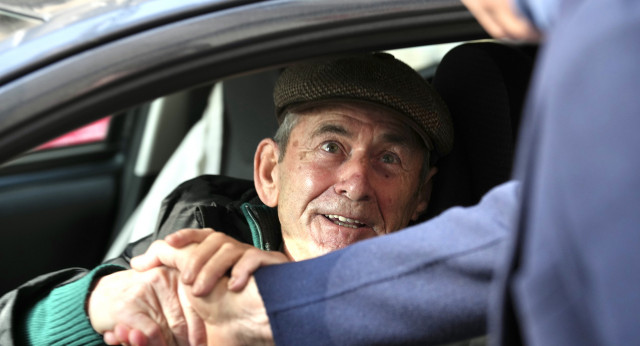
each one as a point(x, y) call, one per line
point(195, 287)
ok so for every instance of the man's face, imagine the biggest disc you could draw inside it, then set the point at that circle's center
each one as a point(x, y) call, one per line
point(350, 172)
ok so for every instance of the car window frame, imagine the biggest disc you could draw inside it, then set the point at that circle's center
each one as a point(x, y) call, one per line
point(219, 45)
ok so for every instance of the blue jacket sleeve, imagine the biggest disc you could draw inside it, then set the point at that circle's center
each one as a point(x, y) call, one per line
point(542, 13)
point(427, 284)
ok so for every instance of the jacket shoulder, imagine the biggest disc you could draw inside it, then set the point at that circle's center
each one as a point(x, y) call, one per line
point(208, 201)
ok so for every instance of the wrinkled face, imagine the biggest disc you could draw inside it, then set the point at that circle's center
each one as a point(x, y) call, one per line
point(350, 172)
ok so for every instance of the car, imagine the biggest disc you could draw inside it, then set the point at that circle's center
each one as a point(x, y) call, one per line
point(161, 91)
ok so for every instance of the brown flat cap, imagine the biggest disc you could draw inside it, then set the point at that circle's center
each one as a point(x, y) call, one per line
point(374, 77)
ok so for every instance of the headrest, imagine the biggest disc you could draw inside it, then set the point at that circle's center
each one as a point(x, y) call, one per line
point(484, 85)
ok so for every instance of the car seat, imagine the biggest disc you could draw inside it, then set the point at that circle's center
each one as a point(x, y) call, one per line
point(484, 85)
point(238, 115)
point(198, 153)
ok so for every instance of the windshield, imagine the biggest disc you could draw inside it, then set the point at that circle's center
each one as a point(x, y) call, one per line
point(19, 15)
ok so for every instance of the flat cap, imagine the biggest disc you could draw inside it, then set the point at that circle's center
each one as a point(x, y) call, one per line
point(378, 78)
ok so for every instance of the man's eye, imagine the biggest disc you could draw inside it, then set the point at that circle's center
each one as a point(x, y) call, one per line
point(390, 158)
point(331, 147)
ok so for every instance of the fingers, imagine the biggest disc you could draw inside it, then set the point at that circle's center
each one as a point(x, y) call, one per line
point(212, 258)
point(160, 253)
point(250, 261)
point(188, 236)
point(164, 252)
point(165, 284)
point(110, 338)
point(146, 331)
point(204, 253)
point(501, 20)
point(147, 260)
point(510, 25)
point(235, 317)
point(203, 257)
point(188, 252)
point(172, 321)
point(208, 307)
point(138, 307)
point(201, 264)
point(137, 338)
point(221, 253)
point(123, 335)
point(197, 331)
point(197, 334)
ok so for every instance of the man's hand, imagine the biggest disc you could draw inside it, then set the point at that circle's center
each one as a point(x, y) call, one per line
point(501, 20)
point(233, 314)
point(144, 308)
point(204, 256)
point(234, 318)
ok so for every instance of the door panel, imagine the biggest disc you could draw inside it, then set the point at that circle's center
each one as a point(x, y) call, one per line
point(53, 224)
point(57, 207)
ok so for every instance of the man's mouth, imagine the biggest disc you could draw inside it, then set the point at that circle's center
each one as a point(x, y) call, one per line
point(345, 221)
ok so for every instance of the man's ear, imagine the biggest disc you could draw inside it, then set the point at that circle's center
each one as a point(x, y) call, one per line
point(265, 173)
point(425, 194)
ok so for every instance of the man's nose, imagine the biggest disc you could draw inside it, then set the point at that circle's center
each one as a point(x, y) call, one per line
point(354, 180)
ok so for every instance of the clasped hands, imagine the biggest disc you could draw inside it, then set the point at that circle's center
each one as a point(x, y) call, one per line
point(179, 293)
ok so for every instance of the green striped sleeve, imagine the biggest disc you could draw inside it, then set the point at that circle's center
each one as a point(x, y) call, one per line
point(61, 319)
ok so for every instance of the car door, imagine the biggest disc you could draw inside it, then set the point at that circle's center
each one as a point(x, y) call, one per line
point(64, 194)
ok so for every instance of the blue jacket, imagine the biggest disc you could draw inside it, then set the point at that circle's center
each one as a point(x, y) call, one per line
point(428, 284)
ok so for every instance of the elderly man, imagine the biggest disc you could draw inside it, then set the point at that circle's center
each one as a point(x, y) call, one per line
point(351, 160)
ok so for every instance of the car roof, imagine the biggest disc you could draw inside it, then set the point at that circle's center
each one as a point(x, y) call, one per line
point(37, 32)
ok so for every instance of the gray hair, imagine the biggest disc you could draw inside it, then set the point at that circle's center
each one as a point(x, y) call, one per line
point(290, 120)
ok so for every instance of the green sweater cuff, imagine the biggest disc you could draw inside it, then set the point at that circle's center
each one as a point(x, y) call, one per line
point(61, 318)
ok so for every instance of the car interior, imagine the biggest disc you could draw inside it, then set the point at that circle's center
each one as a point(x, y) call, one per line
point(214, 129)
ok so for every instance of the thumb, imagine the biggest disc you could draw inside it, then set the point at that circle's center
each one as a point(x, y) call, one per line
point(250, 262)
point(165, 252)
point(159, 253)
point(188, 236)
point(144, 262)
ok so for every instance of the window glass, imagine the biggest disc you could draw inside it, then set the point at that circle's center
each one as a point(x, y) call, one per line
point(423, 57)
point(94, 132)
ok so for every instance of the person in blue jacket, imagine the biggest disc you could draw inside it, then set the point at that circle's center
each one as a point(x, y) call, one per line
point(569, 274)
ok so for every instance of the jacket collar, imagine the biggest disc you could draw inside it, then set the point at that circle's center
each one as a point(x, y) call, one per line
point(264, 224)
